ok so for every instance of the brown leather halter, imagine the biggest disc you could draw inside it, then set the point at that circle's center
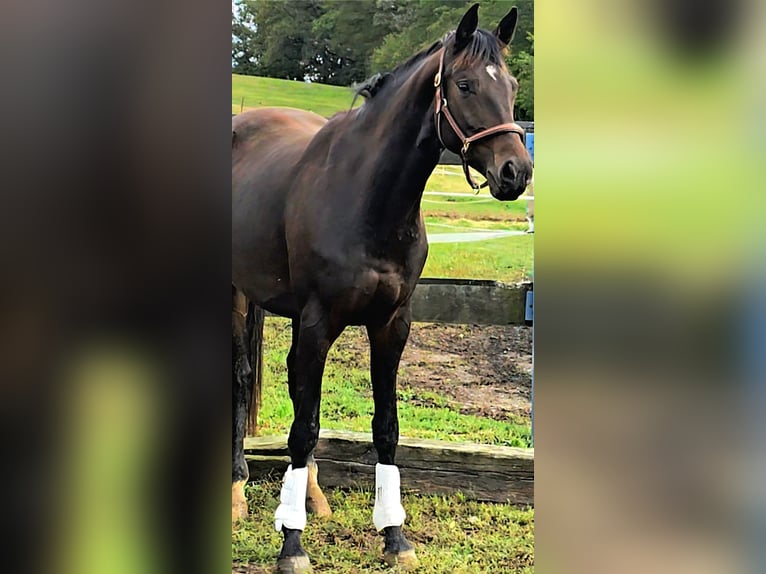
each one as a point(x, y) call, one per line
point(442, 109)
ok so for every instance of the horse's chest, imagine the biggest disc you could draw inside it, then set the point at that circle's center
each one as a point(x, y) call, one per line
point(397, 273)
point(376, 295)
point(392, 289)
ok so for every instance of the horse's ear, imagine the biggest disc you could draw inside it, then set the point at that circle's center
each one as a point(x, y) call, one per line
point(467, 27)
point(507, 26)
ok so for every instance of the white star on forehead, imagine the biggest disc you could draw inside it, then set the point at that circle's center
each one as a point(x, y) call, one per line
point(491, 70)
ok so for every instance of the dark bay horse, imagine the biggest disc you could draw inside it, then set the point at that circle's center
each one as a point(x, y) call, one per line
point(327, 230)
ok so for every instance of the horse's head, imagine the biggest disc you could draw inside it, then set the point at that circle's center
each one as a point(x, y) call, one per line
point(474, 105)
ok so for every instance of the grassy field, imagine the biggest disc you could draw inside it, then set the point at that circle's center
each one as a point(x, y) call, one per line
point(507, 259)
point(451, 535)
point(442, 180)
point(485, 209)
point(259, 92)
point(347, 399)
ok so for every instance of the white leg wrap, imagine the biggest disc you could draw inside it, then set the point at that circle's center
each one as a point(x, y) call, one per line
point(291, 513)
point(388, 509)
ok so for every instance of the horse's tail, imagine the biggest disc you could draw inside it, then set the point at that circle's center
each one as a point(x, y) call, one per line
point(255, 317)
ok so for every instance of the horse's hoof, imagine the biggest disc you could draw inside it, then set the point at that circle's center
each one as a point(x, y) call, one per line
point(294, 565)
point(406, 560)
point(238, 502)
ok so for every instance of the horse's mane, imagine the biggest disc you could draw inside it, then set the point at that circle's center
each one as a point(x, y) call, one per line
point(373, 85)
point(483, 48)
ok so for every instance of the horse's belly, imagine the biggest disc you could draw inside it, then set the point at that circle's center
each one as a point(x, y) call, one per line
point(271, 142)
point(259, 260)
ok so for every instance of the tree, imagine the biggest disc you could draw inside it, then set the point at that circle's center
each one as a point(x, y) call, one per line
point(340, 42)
point(283, 42)
point(420, 23)
point(345, 32)
point(522, 65)
point(426, 21)
point(244, 59)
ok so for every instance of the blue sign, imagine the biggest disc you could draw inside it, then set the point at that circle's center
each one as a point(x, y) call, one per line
point(531, 145)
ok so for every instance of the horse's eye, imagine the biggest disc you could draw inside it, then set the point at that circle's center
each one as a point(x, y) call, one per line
point(463, 87)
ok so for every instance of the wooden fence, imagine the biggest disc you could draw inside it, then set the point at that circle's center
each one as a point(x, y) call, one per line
point(347, 459)
point(470, 302)
point(480, 472)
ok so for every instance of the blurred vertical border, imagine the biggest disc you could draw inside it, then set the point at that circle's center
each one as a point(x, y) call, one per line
point(114, 238)
point(648, 251)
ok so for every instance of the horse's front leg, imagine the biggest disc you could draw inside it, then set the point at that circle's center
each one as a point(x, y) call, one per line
point(315, 336)
point(316, 502)
point(386, 345)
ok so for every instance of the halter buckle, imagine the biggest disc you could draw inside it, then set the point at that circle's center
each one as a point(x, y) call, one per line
point(465, 148)
point(437, 79)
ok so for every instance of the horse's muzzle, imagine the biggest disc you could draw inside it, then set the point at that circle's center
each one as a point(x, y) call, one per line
point(511, 180)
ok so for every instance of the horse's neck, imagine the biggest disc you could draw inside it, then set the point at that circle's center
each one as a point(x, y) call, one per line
point(405, 134)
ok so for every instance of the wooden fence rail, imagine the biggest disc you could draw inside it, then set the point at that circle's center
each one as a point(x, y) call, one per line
point(347, 459)
point(481, 472)
point(469, 302)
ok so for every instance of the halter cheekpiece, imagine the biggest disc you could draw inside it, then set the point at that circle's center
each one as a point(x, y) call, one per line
point(441, 108)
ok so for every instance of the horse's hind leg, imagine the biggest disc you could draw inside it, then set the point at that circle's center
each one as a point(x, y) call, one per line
point(315, 336)
point(386, 345)
point(316, 502)
point(241, 391)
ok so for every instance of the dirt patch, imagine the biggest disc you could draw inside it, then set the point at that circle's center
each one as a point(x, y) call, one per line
point(479, 370)
point(485, 371)
point(450, 214)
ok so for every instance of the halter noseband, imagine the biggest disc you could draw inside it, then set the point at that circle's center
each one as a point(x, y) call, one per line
point(441, 108)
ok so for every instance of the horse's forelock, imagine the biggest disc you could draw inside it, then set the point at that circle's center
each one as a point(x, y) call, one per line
point(484, 48)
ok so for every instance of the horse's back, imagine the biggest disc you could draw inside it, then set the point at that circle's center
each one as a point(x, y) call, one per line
point(249, 127)
point(267, 144)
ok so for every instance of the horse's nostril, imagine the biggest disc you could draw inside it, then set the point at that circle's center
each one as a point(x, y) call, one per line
point(508, 172)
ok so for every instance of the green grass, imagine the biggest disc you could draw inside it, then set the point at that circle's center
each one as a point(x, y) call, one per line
point(436, 224)
point(261, 92)
point(440, 206)
point(451, 178)
point(508, 259)
point(347, 399)
point(451, 535)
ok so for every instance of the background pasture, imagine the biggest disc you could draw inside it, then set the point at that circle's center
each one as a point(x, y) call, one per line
point(259, 92)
